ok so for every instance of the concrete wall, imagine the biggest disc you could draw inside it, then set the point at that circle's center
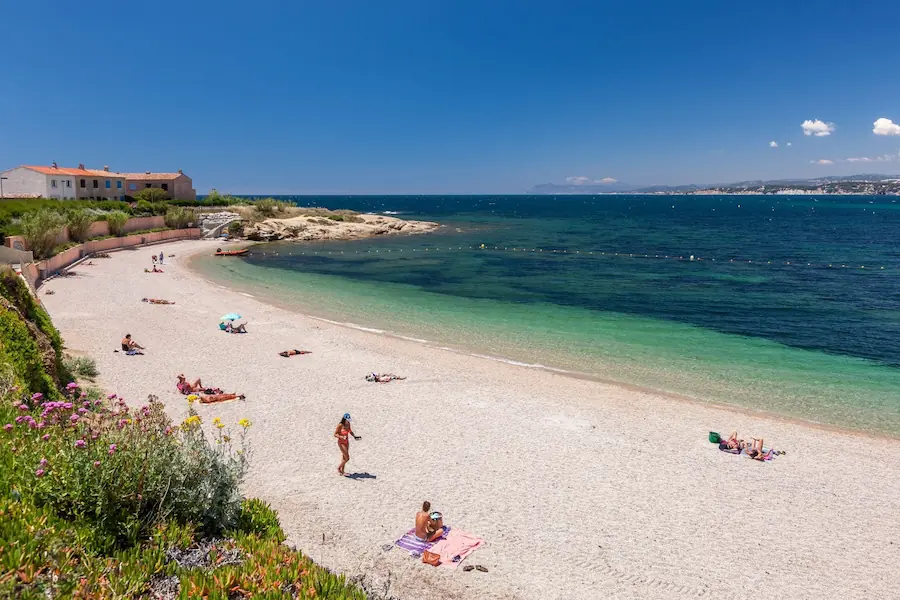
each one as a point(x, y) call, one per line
point(64, 259)
point(11, 256)
point(101, 228)
point(24, 181)
point(61, 191)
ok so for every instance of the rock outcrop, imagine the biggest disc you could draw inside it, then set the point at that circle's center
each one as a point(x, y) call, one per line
point(340, 227)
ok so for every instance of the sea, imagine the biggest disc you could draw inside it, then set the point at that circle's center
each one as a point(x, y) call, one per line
point(781, 304)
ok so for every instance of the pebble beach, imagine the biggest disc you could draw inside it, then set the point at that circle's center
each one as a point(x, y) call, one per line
point(580, 489)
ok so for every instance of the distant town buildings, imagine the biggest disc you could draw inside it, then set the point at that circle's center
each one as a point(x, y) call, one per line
point(29, 181)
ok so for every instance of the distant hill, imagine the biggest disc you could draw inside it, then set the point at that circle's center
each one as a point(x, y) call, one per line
point(620, 188)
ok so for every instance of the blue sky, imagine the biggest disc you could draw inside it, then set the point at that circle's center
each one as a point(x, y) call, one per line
point(359, 96)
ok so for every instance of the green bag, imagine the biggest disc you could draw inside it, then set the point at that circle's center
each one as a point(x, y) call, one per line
point(714, 438)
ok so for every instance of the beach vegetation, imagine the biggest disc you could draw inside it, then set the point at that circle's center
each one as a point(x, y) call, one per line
point(266, 207)
point(41, 228)
point(151, 195)
point(179, 218)
point(143, 208)
point(116, 221)
point(236, 228)
point(82, 367)
point(102, 499)
point(79, 223)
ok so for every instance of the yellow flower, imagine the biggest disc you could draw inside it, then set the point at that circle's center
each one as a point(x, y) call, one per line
point(245, 423)
point(216, 421)
point(220, 425)
point(192, 421)
point(192, 398)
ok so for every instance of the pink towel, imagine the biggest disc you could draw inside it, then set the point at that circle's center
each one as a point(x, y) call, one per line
point(457, 543)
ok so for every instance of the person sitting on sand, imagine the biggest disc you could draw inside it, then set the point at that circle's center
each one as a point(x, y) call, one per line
point(383, 377)
point(188, 388)
point(130, 346)
point(428, 529)
point(288, 353)
point(156, 301)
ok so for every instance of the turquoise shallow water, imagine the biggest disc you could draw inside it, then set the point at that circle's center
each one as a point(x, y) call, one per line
point(813, 342)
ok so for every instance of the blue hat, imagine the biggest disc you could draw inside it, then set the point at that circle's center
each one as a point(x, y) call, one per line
point(347, 416)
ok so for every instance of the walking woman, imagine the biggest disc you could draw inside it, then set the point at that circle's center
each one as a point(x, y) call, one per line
point(341, 432)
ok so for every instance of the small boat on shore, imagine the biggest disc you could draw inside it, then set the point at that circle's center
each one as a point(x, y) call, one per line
point(220, 252)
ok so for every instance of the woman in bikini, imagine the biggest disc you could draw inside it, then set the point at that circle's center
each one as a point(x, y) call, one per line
point(188, 388)
point(288, 353)
point(342, 433)
point(429, 525)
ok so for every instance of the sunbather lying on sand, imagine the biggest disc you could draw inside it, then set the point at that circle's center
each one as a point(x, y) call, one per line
point(383, 377)
point(213, 398)
point(232, 328)
point(429, 525)
point(156, 301)
point(732, 444)
point(287, 353)
point(154, 270)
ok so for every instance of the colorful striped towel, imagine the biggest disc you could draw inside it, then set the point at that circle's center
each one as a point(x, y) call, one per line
point(415, 546)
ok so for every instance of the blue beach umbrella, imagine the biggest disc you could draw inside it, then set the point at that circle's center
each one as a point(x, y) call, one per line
point(231, 317)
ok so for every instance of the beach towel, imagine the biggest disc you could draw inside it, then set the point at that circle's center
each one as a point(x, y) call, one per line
point(413, 545)
point(455, 547)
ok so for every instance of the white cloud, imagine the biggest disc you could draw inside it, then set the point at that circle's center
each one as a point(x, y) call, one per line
point(821, 161)
point(885, 127)
point(773, 144)
point(817, 128)
point(582, 180)
point(789, 144)
point(867, 159)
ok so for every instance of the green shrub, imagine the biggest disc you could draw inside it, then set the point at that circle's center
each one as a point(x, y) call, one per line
point(116, 221)
point(151, 195)
point(16, 291)
point(128, 470)
point(82, 367)
point(236, 228)
point(179, 218)
point(79, 222)
point(41, 229)
point(258, 518)
point(266, 207)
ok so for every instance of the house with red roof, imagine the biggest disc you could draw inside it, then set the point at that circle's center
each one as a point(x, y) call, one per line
point(31, 181)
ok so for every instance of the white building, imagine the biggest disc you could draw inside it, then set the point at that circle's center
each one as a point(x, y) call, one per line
point(40, 182)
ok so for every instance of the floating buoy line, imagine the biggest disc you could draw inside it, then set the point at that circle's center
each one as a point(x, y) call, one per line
point(586, 253)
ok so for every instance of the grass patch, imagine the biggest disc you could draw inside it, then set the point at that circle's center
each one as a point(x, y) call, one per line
point(81, 367)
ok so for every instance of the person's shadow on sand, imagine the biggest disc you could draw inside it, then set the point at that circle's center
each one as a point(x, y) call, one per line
point(360, 476)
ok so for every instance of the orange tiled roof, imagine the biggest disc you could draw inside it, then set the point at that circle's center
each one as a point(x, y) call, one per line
point(149, 176)
point(73, 172)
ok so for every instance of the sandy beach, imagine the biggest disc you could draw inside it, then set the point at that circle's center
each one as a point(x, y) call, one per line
point(580, 489)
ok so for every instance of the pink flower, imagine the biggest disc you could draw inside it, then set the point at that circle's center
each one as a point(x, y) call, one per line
point(43, 462)
point(39, 473)
point(111, 397)
point(112, 448)
point(96, 403)
point(8, 427)
point(122, 423)
point(168, 430)
point(96, 463)
point(46, 437)
point(71, 386)
point(41, 425)
point(37, 396)
point(94, 436)
point(86, 404)
point(81, 411)
point(24, 406)
point(80, 443)
point(74, 418)
point(67, 405)
point(83, 395)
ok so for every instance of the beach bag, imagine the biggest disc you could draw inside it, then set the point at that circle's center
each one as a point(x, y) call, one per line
point(714, 438)
point(430, 558)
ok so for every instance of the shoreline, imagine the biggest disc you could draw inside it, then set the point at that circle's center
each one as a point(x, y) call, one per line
point(578, 375)
point(522, 458)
